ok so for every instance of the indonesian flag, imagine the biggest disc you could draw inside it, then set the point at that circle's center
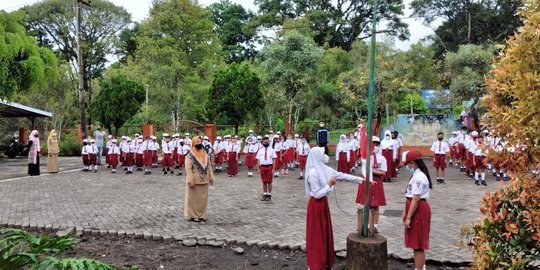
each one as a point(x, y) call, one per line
point(363, 142)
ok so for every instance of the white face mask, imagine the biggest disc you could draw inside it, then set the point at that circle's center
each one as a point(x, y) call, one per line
point(322, 125)
point(326, 159)
point(376, 149)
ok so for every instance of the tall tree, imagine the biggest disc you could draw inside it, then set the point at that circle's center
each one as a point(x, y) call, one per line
point(53, 23)
point(235, 95)
point(118, 100)
point(291, 65)
point(23, 64)
point(235, 31)
point(176, 56)
point(469, 21)
point(335, 23)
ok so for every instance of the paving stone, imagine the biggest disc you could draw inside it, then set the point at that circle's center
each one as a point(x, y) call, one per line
point(103, 232)
point(66, 232)
point(238, 250)
point(214, 243)
point(251, 242)
point(166, 238)
point(341, 254)
point(201, 242)
point(147, 235)
point(189, 242)
point(156, 237)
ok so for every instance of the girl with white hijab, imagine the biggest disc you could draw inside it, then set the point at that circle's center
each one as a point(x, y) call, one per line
point(319, 182)
point(33, 153)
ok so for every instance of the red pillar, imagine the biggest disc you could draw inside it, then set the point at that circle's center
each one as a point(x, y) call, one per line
point(79, 134)
point(147, 130)
point(23, 135)
point(210, 131)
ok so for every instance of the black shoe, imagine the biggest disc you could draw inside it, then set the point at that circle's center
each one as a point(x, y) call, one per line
point(125, 169)
point(216, 170)
point(85, 170)
point(276, 176)
point(139, 169)
point(113, 172)
point(484, 183)
point(177, 167)
point(438, 181)
point(108, 167)
point(498, 178)
point(494, 174)
point(127, 172)
point(180, 173)
point(172, 172)
point(506, 178)
point(194, 220)
point(130, 172)
point(477, 182)
point(263, 198)
point(269, 197)
point(443, 182)
point(291, 169)
point(301, 178)
point(95, 171)
point(145, 173)
point(149, 172)
point(164, 172)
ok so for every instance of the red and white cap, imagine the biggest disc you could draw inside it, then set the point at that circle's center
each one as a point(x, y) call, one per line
point(474, 133)
point(409, 156)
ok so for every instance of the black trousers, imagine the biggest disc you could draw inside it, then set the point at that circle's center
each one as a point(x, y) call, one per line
point(325, 145)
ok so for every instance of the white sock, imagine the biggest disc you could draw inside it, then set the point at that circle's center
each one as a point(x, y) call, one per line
point(476, 176)
point(376, 225)
point(483, 175)
point(301, 173)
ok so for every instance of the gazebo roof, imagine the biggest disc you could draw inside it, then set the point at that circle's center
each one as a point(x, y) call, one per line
point(13, 110)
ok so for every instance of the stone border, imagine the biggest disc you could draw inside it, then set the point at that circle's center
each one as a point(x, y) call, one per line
point(190, 241)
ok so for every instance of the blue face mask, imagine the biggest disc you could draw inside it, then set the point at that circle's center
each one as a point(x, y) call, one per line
point(410, 170)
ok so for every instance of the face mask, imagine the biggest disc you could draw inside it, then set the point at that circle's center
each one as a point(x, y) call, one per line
point(304, 141)
point(198, 146)
point(440, 139)
point(36, 136)
point(393, 137)
point(376, 149)
point(387, 136)
point(54, 134)
point(182, 144)
point(321, 125)
point(266, 145)
point(410, 170)
point(326, 159)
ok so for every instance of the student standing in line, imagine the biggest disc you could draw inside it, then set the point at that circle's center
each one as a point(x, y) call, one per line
point(439, 149)
point(265, 163)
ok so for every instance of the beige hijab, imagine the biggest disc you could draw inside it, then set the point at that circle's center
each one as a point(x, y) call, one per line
point(199, 154)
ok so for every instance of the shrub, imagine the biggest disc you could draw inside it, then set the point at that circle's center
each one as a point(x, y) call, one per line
point(69, 145)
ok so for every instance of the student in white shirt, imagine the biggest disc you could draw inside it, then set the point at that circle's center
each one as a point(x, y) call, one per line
point(302, 151)
point(107, 146)
point(297, 142)
point(92, 155)
point(277, 146)
point(353, 152)
point(463, 139)
point(265, 162)
point(155, 152)
point(233, 150)
point(439, 149)
point(288, 157)
point(389, 151)
point(113, 153)
point(250, 151)
point(139, 157)
point(129, 150)
point(470, 146)
point(219, 154)
point(84, 155)
point(343, 155)
point(182, 152)
point(148, 153)
point(453, 143)
point(480, 152)
point(167, 148)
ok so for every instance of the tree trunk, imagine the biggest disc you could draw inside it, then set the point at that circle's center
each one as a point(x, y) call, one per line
point(291, 107)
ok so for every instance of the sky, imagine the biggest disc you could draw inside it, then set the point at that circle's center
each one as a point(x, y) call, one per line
point(139, 11)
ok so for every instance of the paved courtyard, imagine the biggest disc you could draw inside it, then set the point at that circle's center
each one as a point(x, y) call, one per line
point(151, 207)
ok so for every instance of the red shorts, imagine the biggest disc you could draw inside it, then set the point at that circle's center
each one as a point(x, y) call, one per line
point(479, 163)
point(417, 236)
point(113, 160)
point(139, 160)
point(154, 156)
point(107, 155)
point(175, 155)
point(166, 161)
point(92, 159)
point(439, 162)
point(148, 157)
point(462, 152)
point(129, 160)
point(218, 158)
point(267, 175)
point(302, 160)
point(250, 160)
point(181, 160)
point(85, 160)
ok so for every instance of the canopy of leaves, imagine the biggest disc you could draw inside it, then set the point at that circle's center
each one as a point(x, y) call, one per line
point(23, 64)
point(509, 236)
point(234, 30)
point(235, 95)
point(118, 100)
point(413, 104)
point(335, 23)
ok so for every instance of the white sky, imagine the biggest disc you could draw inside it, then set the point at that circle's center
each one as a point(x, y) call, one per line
point(139, 10)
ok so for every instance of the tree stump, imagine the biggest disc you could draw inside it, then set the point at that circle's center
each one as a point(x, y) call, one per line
point(366, 253)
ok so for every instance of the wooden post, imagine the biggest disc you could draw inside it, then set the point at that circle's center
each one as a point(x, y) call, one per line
point(366, 253)
point(23, 135)
point(79, 134)
point(148, 130)
point(210, 131)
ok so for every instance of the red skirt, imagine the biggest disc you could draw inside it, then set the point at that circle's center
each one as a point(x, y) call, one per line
point(289, 155)
point(439, 162)
point(417, 237)
point(454, 152)
point(469, 163)
point(129, 160)
point(232, 164)
point(122, 156)
point(319, 235)
point(166, 161)
point(388, 154)
point(85, 160)
point(376, 193)
point(250, 160)
point(139, 160)
point(154, 157)
point(181, 160)
point(353, 159)
point(302, 160)
point(267, 174)
point(148, 157)
point(175, 155)
point(107, 156)
point(218, 158)
point(113, 161)
point(479, 163)
point(462, 152)
point(92, 158)
point(343, 164)
point(277, 161)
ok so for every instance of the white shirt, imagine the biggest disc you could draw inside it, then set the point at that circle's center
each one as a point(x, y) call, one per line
point(278, 146)
point(156, 146)
point(187, 141)
point(183, 150)
point(343, 147)
point(109, 144)
point(114, 150)
point(470, 145)
point(218, 146)
point(390, 145)
point(168, 147)
point(270, 156)
point(125, 147)
point(148, 146)
point(92, 149)
point(418, 185)
point(290, 144)
point(480, 150)
point(132, 148)
point(318, 191)
point(303, 149)
point(251, 148)
point(140, 148)
point(453, 141)
point(462, 138)
point(440, 148)
point(84, 150)
point(381, 164)
point(354, 144)
point(233, 148)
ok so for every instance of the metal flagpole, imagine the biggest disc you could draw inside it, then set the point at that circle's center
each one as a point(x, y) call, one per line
point(371, 96)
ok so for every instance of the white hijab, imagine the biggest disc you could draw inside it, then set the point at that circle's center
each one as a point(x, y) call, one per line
point(316, 168)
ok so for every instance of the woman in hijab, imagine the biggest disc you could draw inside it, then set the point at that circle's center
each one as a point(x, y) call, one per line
point(199, 175)
point(53, 150)
point(343, 155)
point(319, 182)
point(33, 153)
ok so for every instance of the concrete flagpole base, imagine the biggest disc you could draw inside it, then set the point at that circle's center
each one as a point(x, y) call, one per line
point(366, 253)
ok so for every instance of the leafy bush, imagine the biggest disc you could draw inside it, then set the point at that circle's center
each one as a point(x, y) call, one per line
point(19, 250)
point(509, 235)
point(69, 145)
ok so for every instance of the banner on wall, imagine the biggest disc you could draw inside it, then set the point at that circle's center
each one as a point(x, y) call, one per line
point(422, 129)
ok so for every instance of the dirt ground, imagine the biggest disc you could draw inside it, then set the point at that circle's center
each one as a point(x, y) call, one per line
point(148, 254)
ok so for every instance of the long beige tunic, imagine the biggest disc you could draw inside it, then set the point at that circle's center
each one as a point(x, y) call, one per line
point(52, 157)
point(196, 199)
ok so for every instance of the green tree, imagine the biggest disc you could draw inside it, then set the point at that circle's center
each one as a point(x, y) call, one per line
point(128, 43)
point(413, 104)
point(468, 21)
point(465, 70)
point(23, 64)
point(176, 57)
point(118, 100)
point(291, 65)
point(335, 24)
point(235, 95)
point(234, 29)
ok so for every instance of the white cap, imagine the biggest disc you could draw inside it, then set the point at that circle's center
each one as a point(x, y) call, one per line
point(165, 134)
point(187, 134)
point(360, 125)
point(279, 133)
point(181, 140)
point(259, 138)
point(454, 132)
point(205, 138)
point(485, 131)
point(85, 140)
point(219, 138)
point(270, 131)
point(153, 137)
point(109, 137)
point(137, 135)
point(140, 140)
point(474, 133)
point(114, 141)
point(176, 135)
point(92, 140)
point(128, 139)
point(296, 135)
point(251, 131)
point(236, 136)
point(227, 136)
point(276, 136)
point(375, 139)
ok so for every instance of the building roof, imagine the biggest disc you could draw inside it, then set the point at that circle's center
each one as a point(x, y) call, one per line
point(12, 110)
